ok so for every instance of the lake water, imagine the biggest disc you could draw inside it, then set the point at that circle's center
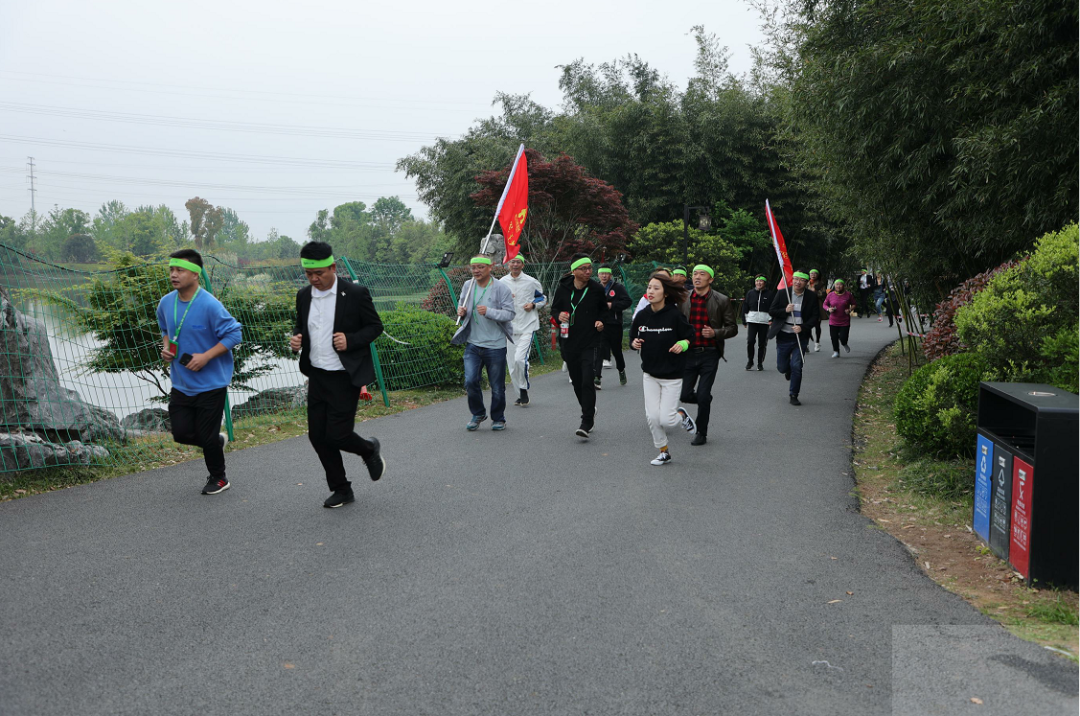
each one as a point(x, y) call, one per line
point(124, 393)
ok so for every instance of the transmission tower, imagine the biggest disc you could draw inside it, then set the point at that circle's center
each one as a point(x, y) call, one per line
point(33, 191)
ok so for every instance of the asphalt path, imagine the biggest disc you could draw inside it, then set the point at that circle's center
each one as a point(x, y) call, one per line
point(522, 572)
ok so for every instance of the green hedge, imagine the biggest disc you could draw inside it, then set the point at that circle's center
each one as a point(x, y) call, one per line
point(936, 408)
point(1024, 323)
point(421, 355)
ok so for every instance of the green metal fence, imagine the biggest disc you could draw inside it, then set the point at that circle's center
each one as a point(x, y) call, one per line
point(82, 381)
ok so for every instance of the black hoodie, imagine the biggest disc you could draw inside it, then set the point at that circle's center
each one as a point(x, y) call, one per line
point(591, 307)
point(659, 331)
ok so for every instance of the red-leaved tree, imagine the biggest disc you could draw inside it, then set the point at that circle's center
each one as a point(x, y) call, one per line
point(569, 211)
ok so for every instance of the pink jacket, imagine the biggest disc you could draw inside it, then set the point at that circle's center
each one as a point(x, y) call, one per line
point(840, 302)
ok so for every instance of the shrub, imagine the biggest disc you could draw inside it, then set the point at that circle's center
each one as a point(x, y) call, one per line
point(935, 409)
point(415, 350)
point(941, 340)
point(1024, 323)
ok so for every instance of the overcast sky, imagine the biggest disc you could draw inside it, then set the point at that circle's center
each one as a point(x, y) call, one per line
point(279, 109)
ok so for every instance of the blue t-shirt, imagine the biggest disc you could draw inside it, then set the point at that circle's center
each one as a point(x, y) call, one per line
point(207, 324)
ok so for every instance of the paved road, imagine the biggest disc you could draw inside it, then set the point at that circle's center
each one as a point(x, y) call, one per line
point(516, 573)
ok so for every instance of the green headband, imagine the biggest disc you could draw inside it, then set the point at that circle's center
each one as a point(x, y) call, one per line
point(604, 270)
point(678, 272)
point(760, 278)
point(317, 263)
point(801, 274)
point(839, 281)
point(706, 269)
point(516, 258)
point(579, 263)
point(181, 263)
point(815, 271)
point(480, 260)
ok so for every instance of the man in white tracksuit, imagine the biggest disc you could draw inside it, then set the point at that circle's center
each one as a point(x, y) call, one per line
point(528, 297)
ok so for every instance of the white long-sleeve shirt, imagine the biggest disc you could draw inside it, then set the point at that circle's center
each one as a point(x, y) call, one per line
point(524, 289)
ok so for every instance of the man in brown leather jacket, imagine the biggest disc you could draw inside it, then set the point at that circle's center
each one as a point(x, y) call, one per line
point(713, 317)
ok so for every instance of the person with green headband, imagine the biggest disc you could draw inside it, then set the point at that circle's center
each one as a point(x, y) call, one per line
point(618, 300)
point(817, 285)
point(662, 335)
point(839, 305)
point(793, 314)
point(529, 298)
point(579, 306)
point(486, 311)
point(712, 316)
point(336, 323)
point(198, 336)
point(756, 318)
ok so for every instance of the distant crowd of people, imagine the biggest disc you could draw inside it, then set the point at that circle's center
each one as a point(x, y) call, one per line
point(678, 328)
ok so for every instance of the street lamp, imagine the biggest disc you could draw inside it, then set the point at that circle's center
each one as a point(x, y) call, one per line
point(704, 224)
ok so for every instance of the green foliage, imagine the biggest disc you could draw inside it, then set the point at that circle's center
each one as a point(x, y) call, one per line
point(663, 243)
point(79, 248)
point(1024, 323)
point(940, 133)
point(428, 359)
point(936, 408)
point(945, 478)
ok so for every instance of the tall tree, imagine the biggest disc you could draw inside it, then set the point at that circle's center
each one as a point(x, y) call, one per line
point(206, 221)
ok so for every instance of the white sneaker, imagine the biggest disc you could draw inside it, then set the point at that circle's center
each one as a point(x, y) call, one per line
point(687, 421)
point(835, 354)
point(607, 364)
point(817, 346)
point(224, 440)
point(662, 459)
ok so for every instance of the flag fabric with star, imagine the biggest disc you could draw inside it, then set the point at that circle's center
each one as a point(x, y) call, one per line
point(781, 248)
point(514, 205)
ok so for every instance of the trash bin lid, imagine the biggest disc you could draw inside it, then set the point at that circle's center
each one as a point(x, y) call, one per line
point(1038, 397)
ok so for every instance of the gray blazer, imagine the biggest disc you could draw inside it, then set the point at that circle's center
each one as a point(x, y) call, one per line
point(500, 302)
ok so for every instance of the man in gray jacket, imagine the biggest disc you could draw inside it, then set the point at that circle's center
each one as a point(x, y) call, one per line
point(486, 310)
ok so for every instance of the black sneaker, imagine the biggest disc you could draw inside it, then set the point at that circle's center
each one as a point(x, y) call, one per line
point(583, 431)
point(749, 365)
point(699, 439)
point(524, 399)
point(215, 485)
point(622, 377)
point(339, 498)
point(760, 366)
point(787, 375)
point(376, 465)
point(794, 400)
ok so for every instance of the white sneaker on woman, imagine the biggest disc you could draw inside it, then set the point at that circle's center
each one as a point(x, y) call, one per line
point(835, 354)
point(817, 346)
point(662, 459)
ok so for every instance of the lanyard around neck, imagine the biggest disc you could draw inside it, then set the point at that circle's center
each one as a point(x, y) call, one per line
point(478, 299)
point(574, 306)
point(180, 325)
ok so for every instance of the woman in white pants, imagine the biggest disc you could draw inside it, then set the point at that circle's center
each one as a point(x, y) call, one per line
point(661, 334)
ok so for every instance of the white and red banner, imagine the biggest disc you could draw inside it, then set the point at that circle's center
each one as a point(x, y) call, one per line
point(781, 248)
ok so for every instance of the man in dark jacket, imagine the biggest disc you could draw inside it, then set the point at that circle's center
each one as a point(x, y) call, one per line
point(756, 318)
point(713, 319)
point(336, 323)
point(579, 306)
point(618, 300)
point(793, 316)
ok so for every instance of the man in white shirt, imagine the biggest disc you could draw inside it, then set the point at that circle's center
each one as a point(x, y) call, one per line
point(528, 297)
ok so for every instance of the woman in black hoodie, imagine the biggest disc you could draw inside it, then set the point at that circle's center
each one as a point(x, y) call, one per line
point(661, 334)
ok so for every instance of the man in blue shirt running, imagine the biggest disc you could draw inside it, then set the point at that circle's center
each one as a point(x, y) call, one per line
point(198, 336)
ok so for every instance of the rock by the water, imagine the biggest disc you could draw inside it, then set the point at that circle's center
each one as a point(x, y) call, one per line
point(153, 420)
point(31, 397)
point(25, 452)
point(272, 401)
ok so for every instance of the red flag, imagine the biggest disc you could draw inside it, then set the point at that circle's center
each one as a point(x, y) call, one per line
point(780, 246)
point(514, 205)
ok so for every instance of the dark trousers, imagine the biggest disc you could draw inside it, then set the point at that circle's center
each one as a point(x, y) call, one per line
point(580, 364)
point(759, 333)
point(864, 302)
point(610, 344)
point(816, 331)
point(700, 368)
point(839, 336)
point(196, 420)
point(332, 401)
point(789, 358)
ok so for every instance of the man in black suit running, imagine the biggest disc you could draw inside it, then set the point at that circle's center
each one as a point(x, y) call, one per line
point(336, 322)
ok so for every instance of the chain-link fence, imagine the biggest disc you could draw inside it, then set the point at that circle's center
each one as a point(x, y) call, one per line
point(81, 377)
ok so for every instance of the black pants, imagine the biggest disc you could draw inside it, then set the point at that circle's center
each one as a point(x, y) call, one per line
point(580, 364)
point(864, 302)
point(196, 420)
point(700, 368)
point(332, 401)
point(610, 343)
point(759, 333)
point(839, 336)
point(816, 331)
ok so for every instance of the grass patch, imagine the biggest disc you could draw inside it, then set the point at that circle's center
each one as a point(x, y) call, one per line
point(926, 504)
